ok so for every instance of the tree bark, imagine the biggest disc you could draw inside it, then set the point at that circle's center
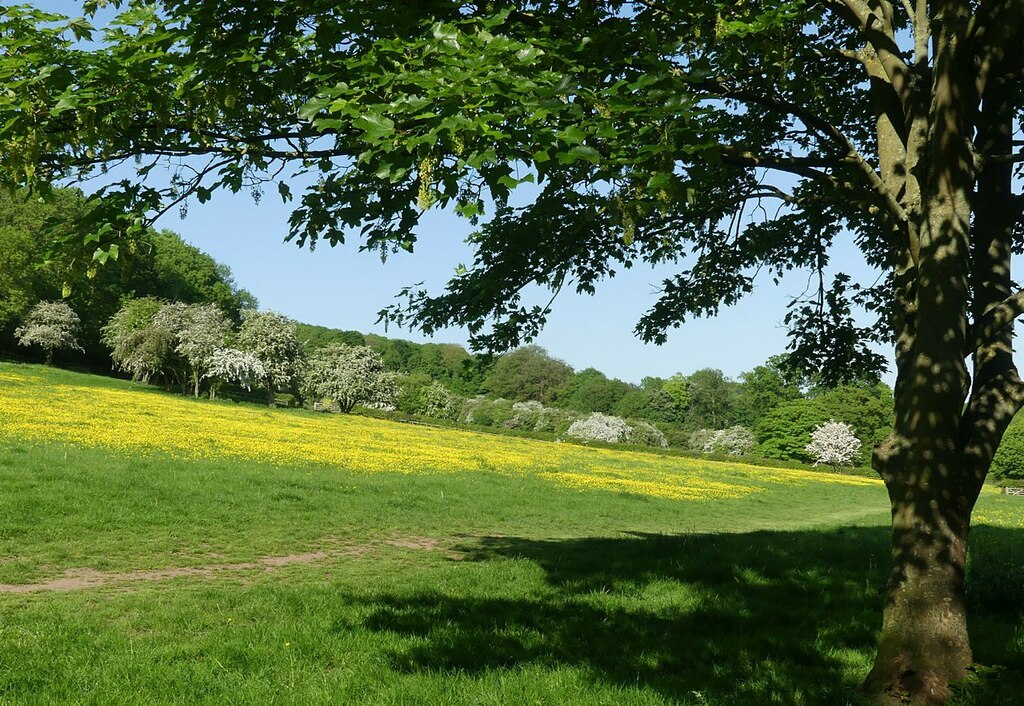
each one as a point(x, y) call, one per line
point(924, 645)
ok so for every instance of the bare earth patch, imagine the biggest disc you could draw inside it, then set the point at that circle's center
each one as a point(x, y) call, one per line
point(85, 578)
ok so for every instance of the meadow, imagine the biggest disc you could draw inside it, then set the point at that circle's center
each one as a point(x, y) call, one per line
point(156, 549)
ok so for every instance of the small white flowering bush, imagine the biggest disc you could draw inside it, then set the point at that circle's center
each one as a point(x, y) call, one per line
point(646, 434)
point(833, 444)
point(600, 427)
point(734, 441)
point(525, 415)
point(439, 402)
point(700, 439)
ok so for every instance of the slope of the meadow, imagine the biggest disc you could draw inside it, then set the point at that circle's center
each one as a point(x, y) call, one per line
point(160, 549)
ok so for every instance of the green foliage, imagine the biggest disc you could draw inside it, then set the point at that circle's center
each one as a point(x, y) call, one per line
point(527, 373)
point(34, 266)
point(1008, 464)
point(868, 409)
point(410, 392)
point(709, 399)
point(185, 273)
point(785, 432)
point(677, 388)
point(591, 390)
point(650, 404)
point(645, 434)
point(315, 337)
point(763, 389)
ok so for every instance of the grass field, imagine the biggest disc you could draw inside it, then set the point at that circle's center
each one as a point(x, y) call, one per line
point(157, 549)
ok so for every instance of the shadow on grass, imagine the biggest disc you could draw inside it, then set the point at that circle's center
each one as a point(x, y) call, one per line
point(757, 618)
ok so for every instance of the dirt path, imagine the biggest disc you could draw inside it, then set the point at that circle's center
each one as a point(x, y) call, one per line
point(85, 578)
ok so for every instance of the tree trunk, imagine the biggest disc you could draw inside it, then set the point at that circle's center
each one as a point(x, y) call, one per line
point(924, 645)
point(271, 397)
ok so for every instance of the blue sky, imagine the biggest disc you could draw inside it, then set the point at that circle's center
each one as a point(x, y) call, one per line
point(344, 288)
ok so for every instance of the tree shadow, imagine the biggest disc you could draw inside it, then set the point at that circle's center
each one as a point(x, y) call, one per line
point(754, 618)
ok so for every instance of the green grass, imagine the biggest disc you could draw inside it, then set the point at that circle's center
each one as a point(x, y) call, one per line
point(469, 588)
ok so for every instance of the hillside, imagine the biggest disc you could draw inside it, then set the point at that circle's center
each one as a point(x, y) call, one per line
point(252, 555)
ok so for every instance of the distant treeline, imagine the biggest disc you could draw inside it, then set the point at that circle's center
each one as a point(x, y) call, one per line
point(776, 407)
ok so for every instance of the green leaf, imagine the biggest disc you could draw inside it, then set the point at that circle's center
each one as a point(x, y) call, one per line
point(580, 152)
point(314, 106)
point(375, 127)
point(572, 135)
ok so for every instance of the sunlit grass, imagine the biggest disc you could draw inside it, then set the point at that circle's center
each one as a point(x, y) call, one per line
point(443, 567)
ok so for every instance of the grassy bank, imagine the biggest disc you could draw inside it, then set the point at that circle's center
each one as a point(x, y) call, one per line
point(157, 549)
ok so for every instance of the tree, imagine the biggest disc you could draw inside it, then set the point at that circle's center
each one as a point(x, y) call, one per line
point(527, 373)
point(53, 326)
point(764, 388)
point(137, 347)
point(653, 128)
point(184, 273)
point(272, 339)
point(709, 399)
point(677, 388)
point(201, 331)
point(786, 430)
point(591, 390)
point(834, 444)
point(350, 375)
point(34, 267)
point(233, 365)
point(1008, 464)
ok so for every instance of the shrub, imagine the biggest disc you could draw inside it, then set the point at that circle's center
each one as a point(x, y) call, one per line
point(438, 401)
point(734, 441)
point(525, 416)
point(410, 392)
point(833, 444)
point(137, 347)
point(600, 427)
point(646, 434)
point(701, 440)
point(786, 430)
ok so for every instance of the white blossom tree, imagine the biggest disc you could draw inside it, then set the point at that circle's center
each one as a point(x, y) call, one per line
point(233, 365)
point(207, 330)
point(271, 338)
point(833, 444)
point(137, 347)
point(196, 330)
point(350, 375)
point(51, 325)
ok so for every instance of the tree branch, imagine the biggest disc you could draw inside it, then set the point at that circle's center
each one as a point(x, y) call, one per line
point(995, 320)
